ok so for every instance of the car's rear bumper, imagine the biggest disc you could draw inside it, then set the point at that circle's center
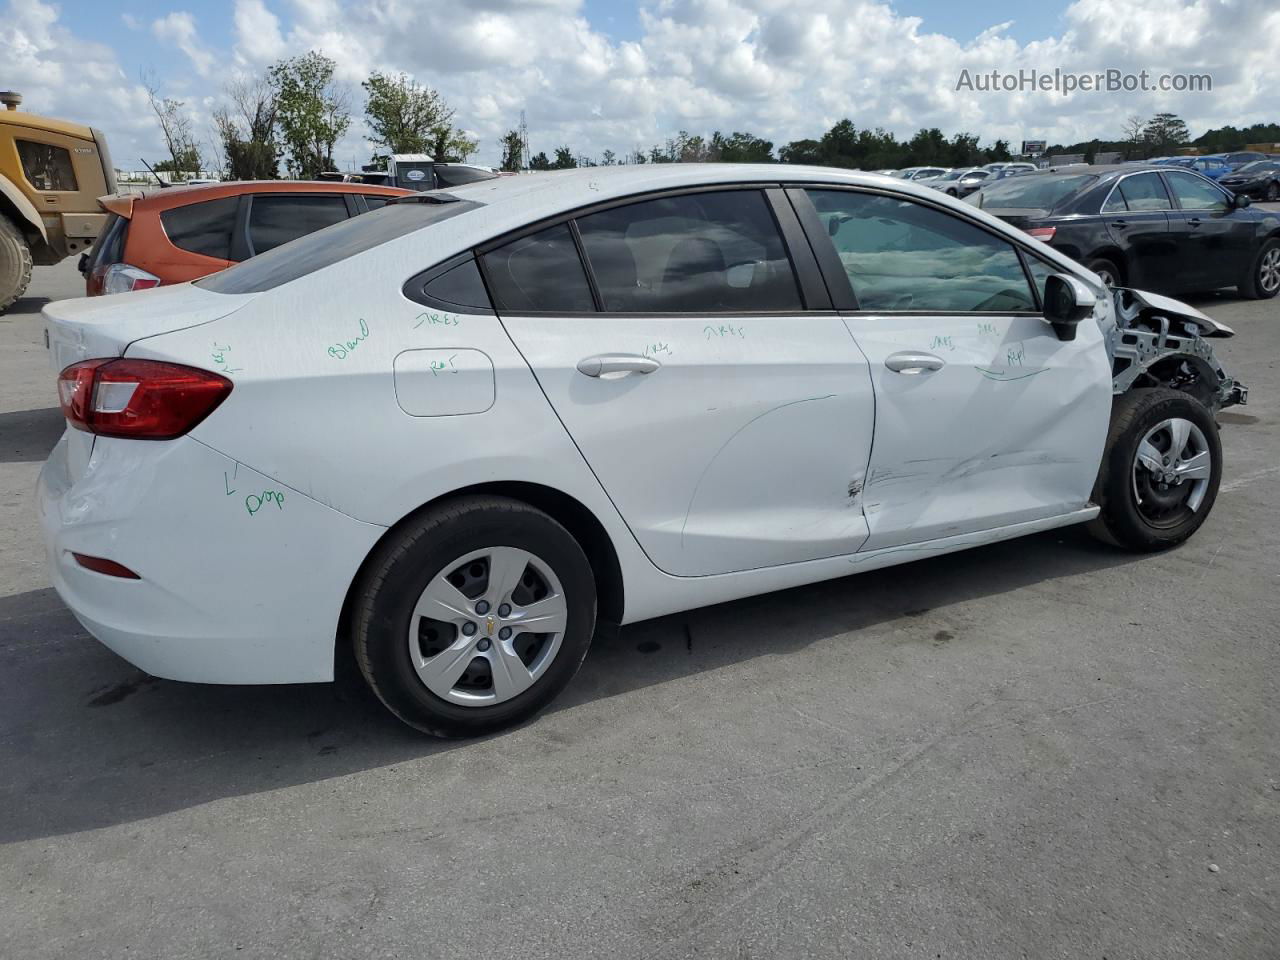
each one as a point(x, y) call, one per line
point(224, 595)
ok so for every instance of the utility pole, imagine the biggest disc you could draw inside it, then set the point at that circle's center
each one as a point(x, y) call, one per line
point(524, 143)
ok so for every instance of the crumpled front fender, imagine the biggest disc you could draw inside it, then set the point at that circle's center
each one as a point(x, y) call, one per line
point(1160, 341)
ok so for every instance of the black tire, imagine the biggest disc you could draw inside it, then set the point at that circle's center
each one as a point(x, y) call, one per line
point(1110, 271)
point(1255, 285)
point(403, 566)
point(15, 263)
point(1123, 522)
point(1273, 192)
point(952, 193)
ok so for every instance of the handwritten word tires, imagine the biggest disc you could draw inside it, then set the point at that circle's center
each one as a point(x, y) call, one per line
point(473, 616)
point(1160, 470)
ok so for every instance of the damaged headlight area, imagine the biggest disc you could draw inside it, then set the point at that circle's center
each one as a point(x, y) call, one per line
point(1162, 342)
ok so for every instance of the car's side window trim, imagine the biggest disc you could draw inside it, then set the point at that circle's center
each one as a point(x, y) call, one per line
point(795, 242)
point(796, 256)
point(353, 209)
point(241, 249)
point(826, 260)
point(833, 270)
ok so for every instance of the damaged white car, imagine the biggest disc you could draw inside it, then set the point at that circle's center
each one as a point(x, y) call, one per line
point(458, 432)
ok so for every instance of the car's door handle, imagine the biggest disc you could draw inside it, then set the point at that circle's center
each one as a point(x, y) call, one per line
point(1194, 221)
point(913, 363)
point(610, 365)
point(1120, 224)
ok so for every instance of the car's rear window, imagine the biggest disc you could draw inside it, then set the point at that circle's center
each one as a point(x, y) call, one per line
point(204, 227)
point(1032, 192)
point(326, 247)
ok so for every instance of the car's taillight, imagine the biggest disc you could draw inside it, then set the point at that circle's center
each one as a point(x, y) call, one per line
point(138, 399)
point(122, 278)
point(1042, 233)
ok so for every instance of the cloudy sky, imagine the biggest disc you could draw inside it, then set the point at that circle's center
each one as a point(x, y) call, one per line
point(599, 74)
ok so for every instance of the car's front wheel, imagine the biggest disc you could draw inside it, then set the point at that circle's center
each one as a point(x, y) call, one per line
point(474, 616)
point(1160, 470)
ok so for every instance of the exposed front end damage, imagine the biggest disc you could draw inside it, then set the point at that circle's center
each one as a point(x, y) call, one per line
point(1161, 342)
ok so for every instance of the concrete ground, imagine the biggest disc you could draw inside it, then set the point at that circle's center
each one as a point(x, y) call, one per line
point(1041, 749)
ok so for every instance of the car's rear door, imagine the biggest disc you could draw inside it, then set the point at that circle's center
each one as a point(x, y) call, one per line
point(1220, 238)
point(984, 418)
point(697, 364)
point(1136, 213)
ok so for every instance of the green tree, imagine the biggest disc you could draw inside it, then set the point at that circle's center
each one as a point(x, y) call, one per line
point(1166, 131)
point(740, 148)
point(512, 151)
point(311, 110)
point(539, 161)
point(801, 151)
point(404, 116)
point(247, 129)
point(564, 159)
point(608, 158)
point(450, 144)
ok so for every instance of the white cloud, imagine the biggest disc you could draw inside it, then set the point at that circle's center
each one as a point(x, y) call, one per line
point(782, 71)
point(179, 29)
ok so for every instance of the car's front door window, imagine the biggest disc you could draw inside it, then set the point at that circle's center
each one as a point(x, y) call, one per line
point(904, 256)
point(1195, 194)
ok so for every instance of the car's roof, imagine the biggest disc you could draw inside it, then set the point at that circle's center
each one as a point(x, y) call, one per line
point(177, 196)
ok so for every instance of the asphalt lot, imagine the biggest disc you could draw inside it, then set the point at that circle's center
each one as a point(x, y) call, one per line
point(1041, 749)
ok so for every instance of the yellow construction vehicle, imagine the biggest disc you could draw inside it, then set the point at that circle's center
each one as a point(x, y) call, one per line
point(51, 175)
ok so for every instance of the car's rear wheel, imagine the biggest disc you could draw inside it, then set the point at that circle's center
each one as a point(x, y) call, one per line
point(1273, 191)
point(15, 263)
point(474, 616)
point(1107, 269)
point(1160, 470)
point(1263, 281)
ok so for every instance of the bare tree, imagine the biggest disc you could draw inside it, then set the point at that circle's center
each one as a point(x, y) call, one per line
point(175, 126)
point(247, 128)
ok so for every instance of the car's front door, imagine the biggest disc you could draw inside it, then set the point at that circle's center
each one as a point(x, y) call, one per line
point(728, 420)
point(1220, 238)
point(984, 418)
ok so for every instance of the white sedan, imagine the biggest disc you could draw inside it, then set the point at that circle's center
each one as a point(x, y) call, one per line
point(459, 432)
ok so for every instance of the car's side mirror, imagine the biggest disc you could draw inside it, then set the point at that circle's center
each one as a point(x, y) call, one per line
point(1067, 301)
point(1240, 201)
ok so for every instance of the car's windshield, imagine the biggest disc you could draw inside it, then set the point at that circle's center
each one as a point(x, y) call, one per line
point(1033, 192)
point(325, 247)
point(955, 175)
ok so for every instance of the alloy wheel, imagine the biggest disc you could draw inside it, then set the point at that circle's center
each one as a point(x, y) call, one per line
point(1269, 271)
point(487, 626)
point(1171, 472)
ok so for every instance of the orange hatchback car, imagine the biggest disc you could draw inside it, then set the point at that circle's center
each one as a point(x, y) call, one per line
point(176, 234)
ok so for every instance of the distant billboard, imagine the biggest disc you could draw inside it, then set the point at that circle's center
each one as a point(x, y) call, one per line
point(1033, 148)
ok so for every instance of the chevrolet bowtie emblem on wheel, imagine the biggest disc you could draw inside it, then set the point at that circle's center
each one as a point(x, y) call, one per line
point(488, 625)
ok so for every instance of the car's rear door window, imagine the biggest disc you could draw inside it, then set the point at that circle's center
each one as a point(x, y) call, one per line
point(705, 252)
point(904, 256)
point(1143, 192)
point(275, 219)
point(204, 228)
point(539, 273)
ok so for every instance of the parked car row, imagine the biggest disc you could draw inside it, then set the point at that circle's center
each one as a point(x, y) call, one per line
point(1162, 228)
